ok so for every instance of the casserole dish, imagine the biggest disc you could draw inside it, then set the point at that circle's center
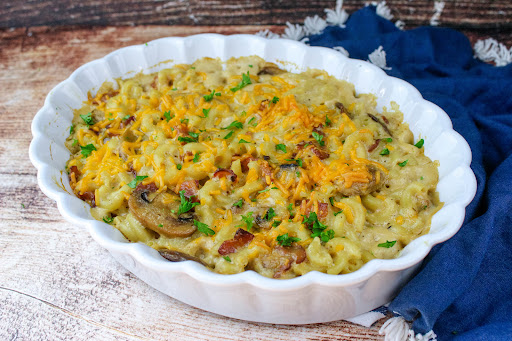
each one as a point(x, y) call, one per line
point(250, 296)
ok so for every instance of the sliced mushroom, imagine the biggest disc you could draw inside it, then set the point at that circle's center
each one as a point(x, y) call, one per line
point(225, 173)
point(270, 69)
point(373, 146)
point(363, 188)
point(281, 258)
point(158, 212)
point(177, 256)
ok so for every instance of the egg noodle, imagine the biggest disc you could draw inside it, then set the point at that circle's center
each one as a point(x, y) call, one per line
point(240, 165)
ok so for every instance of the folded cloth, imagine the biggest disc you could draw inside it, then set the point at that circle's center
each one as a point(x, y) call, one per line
point(464, 288)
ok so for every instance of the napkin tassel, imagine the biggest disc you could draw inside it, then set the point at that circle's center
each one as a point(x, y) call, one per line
point(397, 329)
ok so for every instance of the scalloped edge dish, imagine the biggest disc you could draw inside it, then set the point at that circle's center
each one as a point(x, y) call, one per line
point(248, 295)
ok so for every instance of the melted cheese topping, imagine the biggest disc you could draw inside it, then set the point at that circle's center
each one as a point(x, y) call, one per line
point(297, 143)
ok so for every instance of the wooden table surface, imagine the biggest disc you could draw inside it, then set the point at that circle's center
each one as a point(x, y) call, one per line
point(56, 283)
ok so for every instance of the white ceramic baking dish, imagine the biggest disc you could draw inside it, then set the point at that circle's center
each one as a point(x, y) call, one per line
point(314, 297)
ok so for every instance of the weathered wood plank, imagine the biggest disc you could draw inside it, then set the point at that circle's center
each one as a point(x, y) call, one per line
point(20, 13)
point(56, 283)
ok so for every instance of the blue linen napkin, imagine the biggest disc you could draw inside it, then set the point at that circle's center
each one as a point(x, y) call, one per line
point(464, 288)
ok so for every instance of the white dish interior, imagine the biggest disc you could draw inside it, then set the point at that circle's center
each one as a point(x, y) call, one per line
point(248, 295)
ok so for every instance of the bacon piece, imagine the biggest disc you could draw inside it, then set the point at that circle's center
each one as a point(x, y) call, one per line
point(373, 146)
point(323, 210)
point(153, 83)
point(181, 130)
point(151, 187)
point(381, 123)
point(74, 169)
point(295, 252)
point(191, 187)
point(265, 168)
point(241, 239)
point(341, 107)
point(89, 197)
point(264, 104)
point(320, 153)
point(245, 163)
point(225, 173)
point(127, 122)
point(384, 119)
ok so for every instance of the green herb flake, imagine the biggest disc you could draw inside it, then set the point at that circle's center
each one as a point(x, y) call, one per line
point(184, 120)
point(387, 244)
point(203, 228)
point(297, 173)
point(384, 151)
point(281, 147)
point(336, 213)
point(193, 67)
point(88, 119)
point(327, 121)
point(234, 125)
point(196, 158)
point(160, 225)
point(108, 220)
point(227, 258)
point(136, 181)
point(325, 236)
point(209, 97)
point(186, 139)
point(23, 205)
point(285, 240)
point(248, 220)
point(167, 115)
point(252, 119)
point(402, 164)
point(421, 178)
point(185, 204)
point(71, 129)
point(420, 143)
point(239, 203)
point(174, 89)
point(275, 99)
point(276, 223)
point(270, 214)
point(206, 112)
point(331, 200)
point(290, 208)
point(87, 150)
point(75, 142)
point(178, 166)
point(318, 138)
point(243, 141)
point(228, 135)
point(388, 139)
point(250, 65)
point(246, 80)
point(317, 228)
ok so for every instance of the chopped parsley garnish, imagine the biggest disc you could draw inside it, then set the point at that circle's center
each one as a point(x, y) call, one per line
point(266, 190)
point(227, 258)
point(71, 129)
point(248, 220)
point(178, 166)
point(160, 225)
point(202, 227)
point(327, 121)
point(318, 138)
point(275, 99)
point(384, 151)
point(209, 97)
point(420, 143)
point(206, 112)
point(252, 119)
point(193, 67)
point(228, 135)
point(402, 164)
point(234, 125)
point(387, 244)
point(331, 200)
point(250, 65)
point(87, 150)
point(108, 220)
point(136, 181)
point(336, 213)
point(185, 205)
point(184, 120)
point(174, 89)
point(297, 173)
point(187, 139)
point(23, 205)
point(281, 147)
point(239, 203)
point(270, 214)
point(285, 240)
point(388, 139)
point(421, 178)
point(298, 161)
point(75, 142)
point(167, 115)
point(243, 141)
point(317, 228)
point(196, 158)
point(276, 223)
point(88, 119)
point(246, 80)
point(290, 208)
point(126, 117)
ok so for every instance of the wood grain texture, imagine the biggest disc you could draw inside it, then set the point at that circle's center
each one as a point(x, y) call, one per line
point(56, 283)
point(23, 13)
